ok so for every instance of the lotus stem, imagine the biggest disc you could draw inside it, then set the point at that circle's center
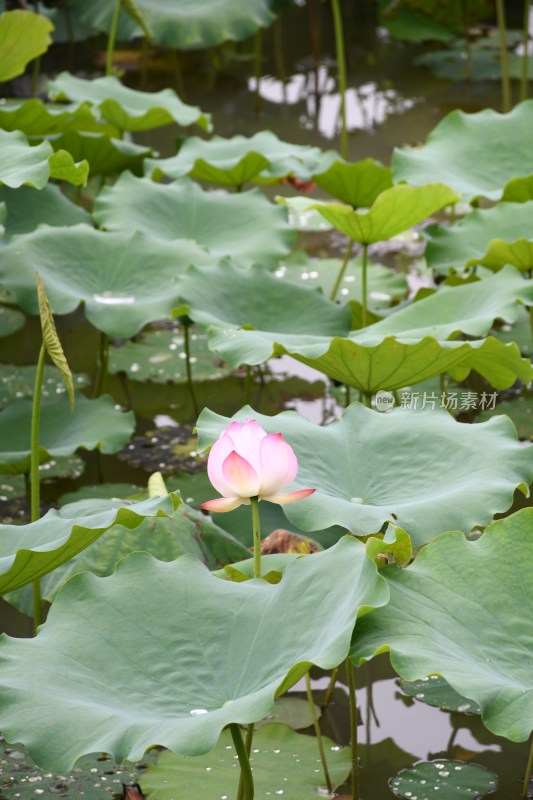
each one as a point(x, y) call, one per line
point(35, 498)
point(341, 66)
point(278, 49)
point(318, 732)
point(314, 36)
point(342, 270)
point(529, 770)
point(248, 745)
point(506, 83)
point(190, 383)
point(256, 530)
point(347, 396)
point(112, 38)
point(364, 265)
point(103, 360)
point(353, 728)
point(525, 54)
point(258, 57)
point(332, 683)
point(244, 762)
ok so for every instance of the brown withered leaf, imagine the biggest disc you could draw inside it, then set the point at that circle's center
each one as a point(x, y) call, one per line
point(282, 541)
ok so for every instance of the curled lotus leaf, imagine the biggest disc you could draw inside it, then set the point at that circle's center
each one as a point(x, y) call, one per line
point(262, 158)
point(104, 154)
point(91, 424)
point(408, 346)
point(394, 210)
point(35, 118)
point(125, 108)
point(124, 280)
point(460, 152)
point(245, 226)
point(454, 588)
point(174, 690)
point(485, 237)
point(358, 185)
point(28, 552)
point(444, 484)
point(25, 165)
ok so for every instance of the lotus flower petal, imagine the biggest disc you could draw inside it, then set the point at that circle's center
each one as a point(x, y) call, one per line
point(283, 498)
point(222, 504)
point(279, 466)
point(240, 475)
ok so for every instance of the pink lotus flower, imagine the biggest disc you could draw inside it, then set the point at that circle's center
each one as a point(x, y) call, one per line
point(247, 462)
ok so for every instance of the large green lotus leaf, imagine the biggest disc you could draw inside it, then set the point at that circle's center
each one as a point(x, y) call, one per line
point(106, 156)
point(470, 241)
point(384, 286)
point(461, 610)
point(159, 356)
point(124, 280)
point(35, 118)
point(369, 362)
point(28, 552)
point(443, 779)
point(23, 36)
point(246, 227)
point(187, 25)
point(358, 185)
point(395, 210)
point(470, 308)
point(236, 161)
point(18, 382)
point(27, 208)
point(92, 424)
point(168, 538)
point(175, 689)
point(419, 469)
point(255, 298)
point(460, 152)
point(11, 320)
point(22, 165)
point(284, 762)
point(127, 109)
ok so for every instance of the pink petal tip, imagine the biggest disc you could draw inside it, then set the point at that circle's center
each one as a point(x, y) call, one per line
point(283, 498)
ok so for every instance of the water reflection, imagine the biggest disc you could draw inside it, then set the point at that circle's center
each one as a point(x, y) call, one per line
point(367, 105)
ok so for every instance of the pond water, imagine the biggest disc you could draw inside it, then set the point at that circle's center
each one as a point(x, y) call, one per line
point(390, 102)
